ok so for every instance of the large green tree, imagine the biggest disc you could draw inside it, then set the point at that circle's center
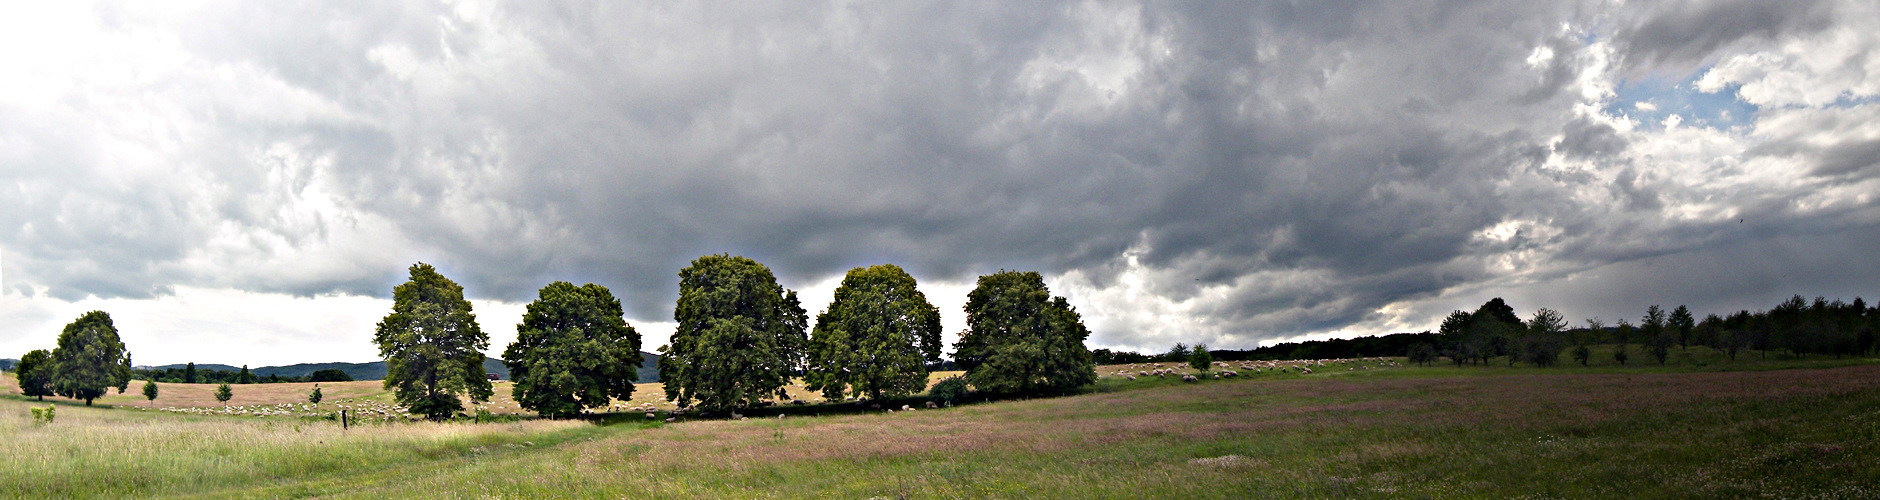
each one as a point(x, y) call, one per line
point(35, 374)
point(574, 350)
point(432, 346)
point(1020, 339)
point(739, 339)
point(876, 338)
point(90, 359)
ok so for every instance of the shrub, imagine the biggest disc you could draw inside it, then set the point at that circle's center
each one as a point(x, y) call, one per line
point(1582, 354)
point(949, 390)
point(315, 396)
point(43, 415)
point(1199, 358)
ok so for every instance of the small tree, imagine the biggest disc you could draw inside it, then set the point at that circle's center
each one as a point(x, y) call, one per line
point(1200, 359)
point(150, 392)
point(1682, 323)
point(432, 346)
point(574, 350)
point(1177, 353)
point(1620, 355)
point(949, 390)
point(1545, 337)
point(35, 374)
point(315, 396)
point(1582, 354)
point(223, 393)
point(90, 359)
point(1422, 353)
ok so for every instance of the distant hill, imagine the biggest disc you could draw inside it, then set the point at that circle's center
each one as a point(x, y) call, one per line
point(7, 364)
point(375, 370)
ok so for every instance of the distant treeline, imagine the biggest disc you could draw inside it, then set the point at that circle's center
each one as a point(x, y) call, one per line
point(1396, 344)
point(1796, 326)
point(188, 374)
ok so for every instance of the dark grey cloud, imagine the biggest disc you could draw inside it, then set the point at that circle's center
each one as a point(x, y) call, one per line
point(1269, 168)
point(1688, 32)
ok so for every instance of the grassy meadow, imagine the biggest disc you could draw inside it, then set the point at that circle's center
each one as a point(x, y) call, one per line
point(1702, 429)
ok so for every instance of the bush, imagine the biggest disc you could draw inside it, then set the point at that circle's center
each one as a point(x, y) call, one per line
point(949, 390)
point(43, 415)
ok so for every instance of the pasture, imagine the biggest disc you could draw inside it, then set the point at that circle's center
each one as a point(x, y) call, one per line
point(1786, 429)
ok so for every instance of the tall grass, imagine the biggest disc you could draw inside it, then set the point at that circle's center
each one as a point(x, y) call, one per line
point(102, 452)
point(1402, 432)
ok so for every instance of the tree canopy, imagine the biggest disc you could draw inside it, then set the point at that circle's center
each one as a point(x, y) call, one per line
point(739, 339)
point(90, 359)
point(1020, 339)
point(432, 346)
point(574, 350)
point(35, 374)
point(876, 337)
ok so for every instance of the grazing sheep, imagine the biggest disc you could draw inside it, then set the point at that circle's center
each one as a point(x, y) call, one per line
point(650, 416)
point(1189, 378)
point(1131, 377)
point(931, 406)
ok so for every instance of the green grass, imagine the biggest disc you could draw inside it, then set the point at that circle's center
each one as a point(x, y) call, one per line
point(1784, 427)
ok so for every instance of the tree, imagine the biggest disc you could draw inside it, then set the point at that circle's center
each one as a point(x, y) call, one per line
point(876, 337)
point(1200, 359)
point(1422, 353)
point(90, 359)
point(1658, 338)
point(739, 337)
point(150, 391)
point(1500, 311)
point(329, 375)
point(1020, 339)
point(1582, 354)
point(244, 377)
point(223, 393)
point(1682, 323)
point(574, 350)
point(432, 346)
point(189, 373)
point(315, 396)
point(35, 374)
point(1177, 353)
point(1544, 338)
point(1455, 334)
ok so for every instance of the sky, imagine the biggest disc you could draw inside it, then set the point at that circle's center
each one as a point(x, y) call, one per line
point(245, 182)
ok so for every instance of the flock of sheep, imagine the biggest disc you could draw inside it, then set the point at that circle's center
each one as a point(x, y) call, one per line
point(1224, 369)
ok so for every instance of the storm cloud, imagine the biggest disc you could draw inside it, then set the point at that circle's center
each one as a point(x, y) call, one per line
point(1218, 172)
